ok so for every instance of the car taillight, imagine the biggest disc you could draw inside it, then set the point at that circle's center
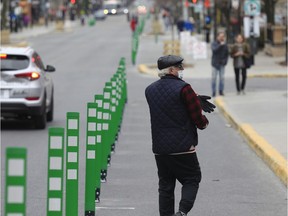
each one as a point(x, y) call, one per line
point(30, 76)
point(32, 98)
point(3, 56)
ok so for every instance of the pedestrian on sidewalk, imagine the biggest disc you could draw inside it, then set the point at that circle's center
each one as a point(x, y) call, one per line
point(220, 55)
point(176, 113)
point(240, 52)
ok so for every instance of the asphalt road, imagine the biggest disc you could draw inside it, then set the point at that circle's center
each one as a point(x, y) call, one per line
point(235, 181)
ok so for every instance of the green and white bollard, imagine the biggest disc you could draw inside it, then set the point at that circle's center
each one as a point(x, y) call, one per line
point(135, 42)
point(93, 157)
point(114, 113)
point(72, 163)
point(122, 71)
point(99, 99)
point(108, 136)
point(55, 172)
point(15, 190)
point(125, 98)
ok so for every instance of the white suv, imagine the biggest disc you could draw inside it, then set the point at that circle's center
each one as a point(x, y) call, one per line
point(26, 89)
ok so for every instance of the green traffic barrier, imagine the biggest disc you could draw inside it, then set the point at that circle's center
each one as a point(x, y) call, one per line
point(99, 152)
point(93, 158)
point(135, 42)
point(122, 71)
point(117, 95)
point(141, 26)
point(55, 172)
point(114, 106)
point(15, 179)
point(91, 22)
point(103, 156)
point(98, 99)
point(107, 107)
point(123, 90)
point(72, 163)
point(104, 118)
point(122, 63)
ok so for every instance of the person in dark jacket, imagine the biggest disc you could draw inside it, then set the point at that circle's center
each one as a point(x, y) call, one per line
point(175, 113)
point(240, 52)
point(220, 55)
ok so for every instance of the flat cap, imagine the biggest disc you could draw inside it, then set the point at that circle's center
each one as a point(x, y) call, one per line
point(168, 61)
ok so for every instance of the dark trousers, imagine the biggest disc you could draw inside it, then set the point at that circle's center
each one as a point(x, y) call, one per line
point(184, 168)
point(237, 78)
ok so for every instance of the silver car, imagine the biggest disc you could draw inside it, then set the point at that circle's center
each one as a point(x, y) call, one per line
point(26, 88)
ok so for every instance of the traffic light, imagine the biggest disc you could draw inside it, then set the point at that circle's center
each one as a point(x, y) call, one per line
point(194, 1)
point(72, 1)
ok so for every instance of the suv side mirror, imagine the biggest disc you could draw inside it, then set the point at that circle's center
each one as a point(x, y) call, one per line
point(50, 68)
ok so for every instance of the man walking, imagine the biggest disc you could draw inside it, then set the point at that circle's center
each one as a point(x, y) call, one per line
point(220, 55)
point(176, 113)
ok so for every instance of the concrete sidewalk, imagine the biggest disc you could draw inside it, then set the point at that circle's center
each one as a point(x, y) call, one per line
point(19, 38)
point(260, 117)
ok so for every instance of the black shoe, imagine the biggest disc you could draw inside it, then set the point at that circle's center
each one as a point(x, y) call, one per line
point(221, 93)
point(213, 94)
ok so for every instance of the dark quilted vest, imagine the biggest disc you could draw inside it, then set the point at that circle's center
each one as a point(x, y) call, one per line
point(172, 129)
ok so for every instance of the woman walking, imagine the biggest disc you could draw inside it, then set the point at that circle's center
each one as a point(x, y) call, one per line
point(240, 52)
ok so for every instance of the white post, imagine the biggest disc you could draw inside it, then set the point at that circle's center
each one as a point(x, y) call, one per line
point(184, 10)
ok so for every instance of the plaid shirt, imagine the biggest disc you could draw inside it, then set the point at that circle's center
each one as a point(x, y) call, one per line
point(193, 106)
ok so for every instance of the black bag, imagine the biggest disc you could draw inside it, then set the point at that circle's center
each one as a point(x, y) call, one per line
point(248, 61)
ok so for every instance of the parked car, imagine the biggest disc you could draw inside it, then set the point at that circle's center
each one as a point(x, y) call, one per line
point(100, 15)
point(26, 89)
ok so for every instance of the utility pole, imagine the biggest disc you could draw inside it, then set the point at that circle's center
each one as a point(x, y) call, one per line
point(286, 36)
point(215, 19)
point(184, 10)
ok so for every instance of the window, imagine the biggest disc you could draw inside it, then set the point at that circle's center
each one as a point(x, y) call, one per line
point(14, 62)
point(38, 61)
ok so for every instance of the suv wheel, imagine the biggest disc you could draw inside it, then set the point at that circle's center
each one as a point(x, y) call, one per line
point(40, 120)
point(51, 110)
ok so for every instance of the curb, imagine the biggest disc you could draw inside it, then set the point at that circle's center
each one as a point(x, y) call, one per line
point(262, 148)
point(268, 75)
point(145, 68)
point(16, 44)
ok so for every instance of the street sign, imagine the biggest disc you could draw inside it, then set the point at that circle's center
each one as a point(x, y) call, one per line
point(252, 7)
point(251, 27)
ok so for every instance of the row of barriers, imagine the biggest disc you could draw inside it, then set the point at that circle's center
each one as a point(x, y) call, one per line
point(104, 118)
point(135, 38)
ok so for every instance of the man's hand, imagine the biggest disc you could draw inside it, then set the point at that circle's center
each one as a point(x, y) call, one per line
point(205, 104)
